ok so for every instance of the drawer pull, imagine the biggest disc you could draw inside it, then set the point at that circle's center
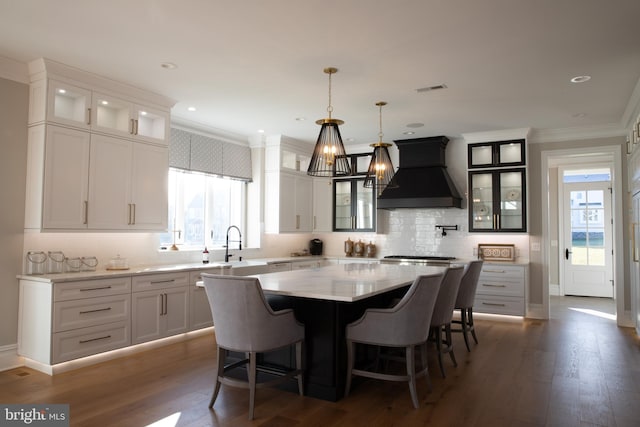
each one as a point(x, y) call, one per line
point(494, 286)
point(493, 303)
point(95, 311)
point(106, 337)
point(494, 271)
point(95, 289)
point(155, 282)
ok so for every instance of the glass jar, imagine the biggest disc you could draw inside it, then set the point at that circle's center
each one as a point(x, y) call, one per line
point(73, 265)
point(36, 262)
point(55, 263)
point(89, 263)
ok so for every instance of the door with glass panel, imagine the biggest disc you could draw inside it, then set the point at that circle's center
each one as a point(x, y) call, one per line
point(587, 233)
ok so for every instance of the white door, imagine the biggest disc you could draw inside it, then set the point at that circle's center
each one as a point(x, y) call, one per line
point(587, 251)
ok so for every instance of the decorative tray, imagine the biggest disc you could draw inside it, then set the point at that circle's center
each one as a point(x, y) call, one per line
point(497, 251)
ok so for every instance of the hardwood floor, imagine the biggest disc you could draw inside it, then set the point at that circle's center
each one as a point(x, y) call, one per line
point(576, 369)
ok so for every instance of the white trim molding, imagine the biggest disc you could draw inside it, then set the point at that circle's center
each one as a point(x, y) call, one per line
point(9, 358)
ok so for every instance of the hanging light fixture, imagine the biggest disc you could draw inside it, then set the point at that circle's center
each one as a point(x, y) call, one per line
point(380, 169)
point(329, 157)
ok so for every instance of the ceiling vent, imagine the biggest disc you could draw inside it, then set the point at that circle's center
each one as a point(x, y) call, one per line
point(431, 88)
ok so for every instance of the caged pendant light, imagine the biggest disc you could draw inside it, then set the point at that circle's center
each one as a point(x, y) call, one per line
point(329, 157)
point(380, 170)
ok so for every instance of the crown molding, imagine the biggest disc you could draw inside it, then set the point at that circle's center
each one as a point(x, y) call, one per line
point(498, 135)
point(209, 131)
point(11, 69)
point(576, 133)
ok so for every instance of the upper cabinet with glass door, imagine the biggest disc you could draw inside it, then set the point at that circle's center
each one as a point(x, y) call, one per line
point(497, 154)
point(68, 105)
point(114, 115)
point(497, 200)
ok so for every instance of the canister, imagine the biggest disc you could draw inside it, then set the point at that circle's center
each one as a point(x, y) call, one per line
point(36, 262)
point(55, 262)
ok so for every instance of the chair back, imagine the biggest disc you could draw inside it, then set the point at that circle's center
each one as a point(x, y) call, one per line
point(468, 285)
point(405, 323)
point(242, 318)
point(443, 310)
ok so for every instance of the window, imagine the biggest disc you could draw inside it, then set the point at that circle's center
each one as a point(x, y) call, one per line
point(201, 208)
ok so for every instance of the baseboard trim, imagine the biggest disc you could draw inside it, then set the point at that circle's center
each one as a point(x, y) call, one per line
point(113, 354)
point(9, 358)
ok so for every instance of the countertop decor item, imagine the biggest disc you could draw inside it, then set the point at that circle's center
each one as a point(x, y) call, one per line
point(118, 263)
point(348, 247)
point(497, 251)
point(358, 248)
point(371, 250)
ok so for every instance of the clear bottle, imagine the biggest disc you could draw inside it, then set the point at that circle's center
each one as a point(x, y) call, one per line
point(205, 256)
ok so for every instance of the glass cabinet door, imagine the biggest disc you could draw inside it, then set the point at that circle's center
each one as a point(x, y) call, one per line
point(481, 213)
point(354, 206)
point(343, 216)
point(69, 104)
point(496, 154)
point(497, 200)
point(511, 202)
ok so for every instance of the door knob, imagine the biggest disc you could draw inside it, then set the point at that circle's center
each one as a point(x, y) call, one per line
point(566, 253)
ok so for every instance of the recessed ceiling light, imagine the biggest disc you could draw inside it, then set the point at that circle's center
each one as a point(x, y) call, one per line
point(191, 109)
point(168, 65)
point(415, 125)
point(260, 130)
point(62, 91)
point(301, 119)
point(409, 132)
point(350, 139)
point(143, 113)
point(580, 79)
point(103, 102)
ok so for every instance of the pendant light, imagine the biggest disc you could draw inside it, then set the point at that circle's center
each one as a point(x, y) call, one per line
point(329, 157)
point(380, 169)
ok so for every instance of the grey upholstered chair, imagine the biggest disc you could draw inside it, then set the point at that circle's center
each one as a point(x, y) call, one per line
point(465, 300)
point(443, 314)
point(405, 325)
point(245, 323)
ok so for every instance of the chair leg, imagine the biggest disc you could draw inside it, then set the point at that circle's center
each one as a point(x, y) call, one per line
point(411, 373)
point(423, 357)
point(437, 330)
point(299, 367)
point(350, 360)
point(252, 382)
point(471, 326)
point(465, 328)
point(221, 355)
point(447, 331)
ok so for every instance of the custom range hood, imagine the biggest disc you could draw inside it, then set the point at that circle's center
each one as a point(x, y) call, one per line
point(422, 180)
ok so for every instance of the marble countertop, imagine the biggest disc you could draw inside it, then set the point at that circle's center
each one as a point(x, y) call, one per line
point(343, 282)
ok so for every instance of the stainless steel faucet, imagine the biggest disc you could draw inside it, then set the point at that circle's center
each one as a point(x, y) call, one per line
point(226, 250)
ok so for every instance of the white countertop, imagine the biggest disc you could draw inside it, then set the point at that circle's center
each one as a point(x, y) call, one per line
point(343, 282)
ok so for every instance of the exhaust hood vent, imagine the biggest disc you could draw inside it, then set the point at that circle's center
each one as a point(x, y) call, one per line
point(422, 180)
point(431, 88)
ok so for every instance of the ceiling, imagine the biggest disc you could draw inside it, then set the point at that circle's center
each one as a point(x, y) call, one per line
point(254, 64)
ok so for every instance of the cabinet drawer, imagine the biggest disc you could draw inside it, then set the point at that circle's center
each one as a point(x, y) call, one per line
point(502, 272)
point(150, 282)
point(499, 305)
point(489, 286)
point(76, 314)
point(91, 288)
point(87, 341)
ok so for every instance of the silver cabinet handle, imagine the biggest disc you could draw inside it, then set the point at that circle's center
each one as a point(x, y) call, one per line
point(494, 304)
point(297, 222)
point(136, 127)
point(106, 337)
point(133, 209)
point(96, 310)
point(86, 212)
point(95, 289)
point(494, 271)
point(155, 282)
point(89, 116)
point(132, 126)
point(494, 286)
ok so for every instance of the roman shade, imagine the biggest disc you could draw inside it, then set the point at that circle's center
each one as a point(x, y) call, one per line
point(195, 152)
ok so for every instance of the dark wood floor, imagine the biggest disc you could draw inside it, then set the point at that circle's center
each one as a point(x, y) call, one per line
point(576, 369)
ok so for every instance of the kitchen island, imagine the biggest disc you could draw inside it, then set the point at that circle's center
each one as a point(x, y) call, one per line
point(326, 299)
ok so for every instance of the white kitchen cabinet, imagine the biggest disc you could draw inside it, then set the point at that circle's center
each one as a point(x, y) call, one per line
point(199, 309)
point(65, 184)
point(68, 104)
point(322, 205)
point(288, 203)
point(127, 185)
point(67, 320)
point(501, 289)
point(160, 306)
point(113, 115)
